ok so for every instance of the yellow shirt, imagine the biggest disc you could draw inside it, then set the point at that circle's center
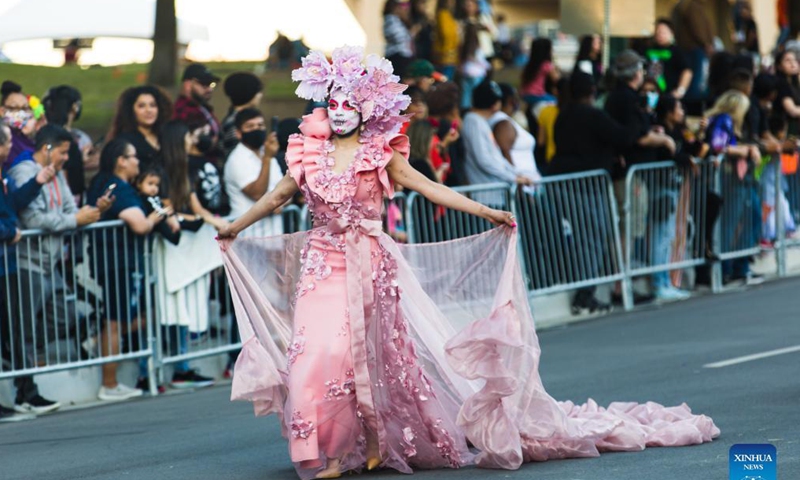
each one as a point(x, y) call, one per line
point(547, 120)
point(445, 42)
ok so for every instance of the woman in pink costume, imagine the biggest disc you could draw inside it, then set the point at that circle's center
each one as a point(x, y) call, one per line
point(379, 354)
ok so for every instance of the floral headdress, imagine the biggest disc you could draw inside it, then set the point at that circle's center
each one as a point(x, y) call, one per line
point(371, 86)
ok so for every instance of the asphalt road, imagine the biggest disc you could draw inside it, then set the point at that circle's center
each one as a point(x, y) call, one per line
point(655, 354)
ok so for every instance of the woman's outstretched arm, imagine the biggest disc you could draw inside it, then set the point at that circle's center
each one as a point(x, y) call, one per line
point(265, 205)
point(404, 174)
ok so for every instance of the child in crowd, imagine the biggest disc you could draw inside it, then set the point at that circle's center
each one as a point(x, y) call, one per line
point(148, 184)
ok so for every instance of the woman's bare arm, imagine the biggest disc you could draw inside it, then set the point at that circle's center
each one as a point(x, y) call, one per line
point(267, 204)
point(404, 174)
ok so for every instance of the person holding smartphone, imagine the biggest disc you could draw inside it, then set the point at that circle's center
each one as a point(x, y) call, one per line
point(252, 169)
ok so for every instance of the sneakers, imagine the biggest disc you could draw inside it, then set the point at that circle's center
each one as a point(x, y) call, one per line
point(118, 393)
point(143, 384)
point(190, 379)
point(588, 304)
point(11, 415)
point(37, 405)
point(754, 279)
point(671, 293)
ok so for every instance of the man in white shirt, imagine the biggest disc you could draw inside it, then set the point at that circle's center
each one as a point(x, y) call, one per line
point(252, 170)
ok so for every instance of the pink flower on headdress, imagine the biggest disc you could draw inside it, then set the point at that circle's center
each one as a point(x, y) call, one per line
point(347, 65)
point(374, 62)
point(315, 77)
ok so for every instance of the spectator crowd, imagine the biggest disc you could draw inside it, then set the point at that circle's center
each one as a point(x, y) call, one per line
point(172, 167)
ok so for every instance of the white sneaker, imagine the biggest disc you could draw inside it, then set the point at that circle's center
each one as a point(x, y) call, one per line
point(118, 393)
point(672, 293)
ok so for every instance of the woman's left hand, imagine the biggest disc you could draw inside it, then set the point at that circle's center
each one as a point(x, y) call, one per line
point(499, 217)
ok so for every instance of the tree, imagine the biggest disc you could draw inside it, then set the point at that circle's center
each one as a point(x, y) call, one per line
point(163, 67)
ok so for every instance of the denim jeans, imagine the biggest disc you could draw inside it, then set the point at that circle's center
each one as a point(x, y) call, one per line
point(662, 235)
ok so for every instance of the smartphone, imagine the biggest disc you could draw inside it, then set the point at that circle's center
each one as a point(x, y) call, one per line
point(110, 190)
point(274, 125)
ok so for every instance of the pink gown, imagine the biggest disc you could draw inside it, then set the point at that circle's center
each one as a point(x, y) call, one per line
point(348, 335)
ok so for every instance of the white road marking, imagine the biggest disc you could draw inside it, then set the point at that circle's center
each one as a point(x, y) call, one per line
point(750, 358)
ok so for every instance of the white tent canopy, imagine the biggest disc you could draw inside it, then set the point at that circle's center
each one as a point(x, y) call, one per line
point(37, 19)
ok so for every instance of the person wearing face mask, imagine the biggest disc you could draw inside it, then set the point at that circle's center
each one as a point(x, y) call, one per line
point(193, 107)
point(141, 113)
point(251, 169)
point(18, 114)
point(244, 91)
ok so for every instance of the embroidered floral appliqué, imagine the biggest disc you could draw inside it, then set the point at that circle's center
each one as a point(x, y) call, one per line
point(300, 428)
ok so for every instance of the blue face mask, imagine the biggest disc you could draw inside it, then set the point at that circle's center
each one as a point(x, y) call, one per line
point(652, 100)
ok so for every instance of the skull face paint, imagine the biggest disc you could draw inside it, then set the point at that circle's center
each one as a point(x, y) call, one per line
point(343, 118)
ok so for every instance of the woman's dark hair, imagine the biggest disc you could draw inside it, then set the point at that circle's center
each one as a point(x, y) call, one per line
point(541, 51)
point(175, 184)
point(443, 98)
point(389, 6)
point(470, 42)
point(58, 102)
point(420, 135)
point(666, 105)
point(8, 89)
point(793, 80)
point(585, 49)
point(125, 119)
point(113, 149)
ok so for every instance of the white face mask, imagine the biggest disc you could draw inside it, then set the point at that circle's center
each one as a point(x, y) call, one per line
point(342, 117)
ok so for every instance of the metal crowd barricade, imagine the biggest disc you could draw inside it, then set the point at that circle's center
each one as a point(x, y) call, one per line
point(428, 222)
point(666, 223)
point(738, 231)
point(75, 299)
point(206, 323)
point(569, 232)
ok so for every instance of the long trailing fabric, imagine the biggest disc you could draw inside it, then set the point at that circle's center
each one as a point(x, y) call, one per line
point(349, 336)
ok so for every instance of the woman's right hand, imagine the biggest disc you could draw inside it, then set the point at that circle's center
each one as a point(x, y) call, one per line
point(227, 231)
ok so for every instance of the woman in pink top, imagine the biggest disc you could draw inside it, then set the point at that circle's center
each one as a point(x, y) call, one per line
point(539, 68)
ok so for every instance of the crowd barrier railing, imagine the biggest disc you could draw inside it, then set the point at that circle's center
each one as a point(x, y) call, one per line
point(666, 220)
point(98, 294)
point(428, 222)
point(738, 232)
point(569, 233)
point(75, 299)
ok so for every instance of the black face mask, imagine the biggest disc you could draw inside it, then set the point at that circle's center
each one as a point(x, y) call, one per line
point(254, 138)
point(205, 143)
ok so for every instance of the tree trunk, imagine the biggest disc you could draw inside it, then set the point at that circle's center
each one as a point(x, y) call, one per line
point(165, 45)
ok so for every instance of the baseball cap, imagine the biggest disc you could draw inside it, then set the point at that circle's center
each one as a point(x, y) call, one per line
point(424, 68)
point(201, 73)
